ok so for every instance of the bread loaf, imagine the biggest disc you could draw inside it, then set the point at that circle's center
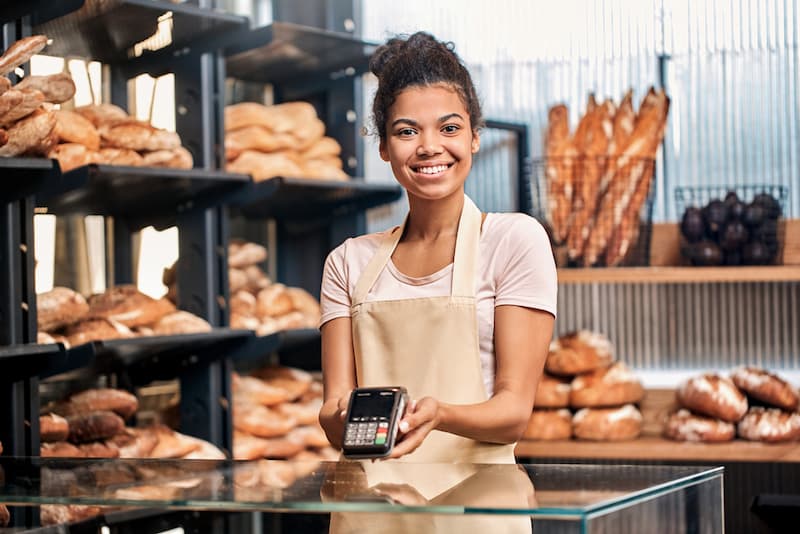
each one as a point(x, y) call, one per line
point(72, 127)
point(714, 396)
point(324, 147)
point(766, 387)
point(180, 322)
point(99, 114)
point(248, 389)
point(119, 156)
point(20, 52)
point(56, 88)
point(176, 158)
point(59, 307)
point(59, 449)
point(579, 352)
point(30, 135)
point(243, 254)
point(261, 421)
point(95, 330)
point(9, 100)
point(548, 425)
point(119, 401)
point(137, 135)
point(53, 427)
point(94, 426)
point(273, 301)
point(125, 304)
point(262, 166)
point(611, 386)
point(71, 156)
point(31, 100)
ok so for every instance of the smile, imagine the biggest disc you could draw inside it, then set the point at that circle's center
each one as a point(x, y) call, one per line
point(432, 169)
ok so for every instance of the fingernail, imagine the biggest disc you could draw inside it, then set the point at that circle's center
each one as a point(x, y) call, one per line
point(342, 413)
point(403, 427)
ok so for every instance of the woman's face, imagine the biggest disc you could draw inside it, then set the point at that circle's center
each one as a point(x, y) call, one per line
point(429, 141)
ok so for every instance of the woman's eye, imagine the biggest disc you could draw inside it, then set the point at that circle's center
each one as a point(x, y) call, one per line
point(450, 128)
point(405, 132)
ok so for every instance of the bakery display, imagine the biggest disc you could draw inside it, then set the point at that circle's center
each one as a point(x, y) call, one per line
point(285, 139)
point(256, 303)
point(598, 179)
point(607, 424)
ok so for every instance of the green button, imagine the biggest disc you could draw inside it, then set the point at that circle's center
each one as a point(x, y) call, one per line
point(380, 440)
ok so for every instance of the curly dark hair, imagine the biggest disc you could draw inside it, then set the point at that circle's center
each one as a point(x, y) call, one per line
point(414, 61)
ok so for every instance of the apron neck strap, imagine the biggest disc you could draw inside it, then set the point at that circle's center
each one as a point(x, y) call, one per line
point(464, 264)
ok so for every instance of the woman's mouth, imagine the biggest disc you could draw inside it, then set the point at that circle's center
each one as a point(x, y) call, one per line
point(431, 170)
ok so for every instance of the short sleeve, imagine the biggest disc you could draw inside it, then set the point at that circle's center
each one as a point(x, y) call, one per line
point(334, 294)
point(526, 270)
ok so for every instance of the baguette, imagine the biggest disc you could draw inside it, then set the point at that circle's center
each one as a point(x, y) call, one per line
point(72, 127)
point(99, 114)
point(31, 100)
point(137, 135)
point(57, 88)
point(20, 52)
point(560, 161)
point(9, 100)
point(29, 135)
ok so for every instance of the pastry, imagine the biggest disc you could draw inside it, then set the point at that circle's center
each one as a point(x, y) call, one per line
point(53, 427)
point(547, 425)
point(714, 396)
point(552, 392)
point(579, 352)
point(769, 424)
point(686, 426)
point(607, 424)
point(59, 307)
point(766, 387)
point(612, 386)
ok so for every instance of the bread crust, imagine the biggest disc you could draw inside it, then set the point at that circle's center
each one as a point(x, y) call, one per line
point(552, 392)
point(549, 425)
point(21, 52)
point(53, 427)
point(119, 401)
point(714, 396)
point(72, 127)
point(612, 386)
point(686, 426)
point(94, 426)
point(59, 307)
point(125, 304)
point(769, 424)
point(607, 424)
point(180, 322)
point(56, 88)
point(579, 352)
point(766, 387)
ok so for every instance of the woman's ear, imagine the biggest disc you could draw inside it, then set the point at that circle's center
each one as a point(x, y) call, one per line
point(476, 141)
point(382, 150)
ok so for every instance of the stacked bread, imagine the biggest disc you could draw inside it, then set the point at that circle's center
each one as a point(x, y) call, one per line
point(752, 403)
point(65, 316)
point(27, 120)
point(282, 140)
point(105, 133)
point(599, 177)
point(256, 302)
point(581, 375)
point(275, 415)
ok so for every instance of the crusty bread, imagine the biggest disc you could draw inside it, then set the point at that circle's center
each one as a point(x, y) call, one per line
point(180, 322)
point(71, 156)
point(99, 114)
point(95, 330)
point(579, 352)
point(766, 387)
point(242, 254)
point(607, 424)
point(770, 425)
point(72, 127)
point(127, 305)
point(273, 301)
point(611, 386)
point(30, 135)
point(119, 401)
point(713, 395)
point(261, 421)
point(119, 156)
point(548, 425)
point(137, 135)
point(59, 307)
point(686, 426)
point(53, 427)
point(552, 392)
point(262, 166)
point(94, 426)
point(56, 88)
point(20, 52)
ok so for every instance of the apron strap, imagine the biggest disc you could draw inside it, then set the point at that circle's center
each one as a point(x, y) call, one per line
point(464, 264)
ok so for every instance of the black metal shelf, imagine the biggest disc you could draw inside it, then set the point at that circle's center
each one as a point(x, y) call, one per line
point(304, 198)
point(107, 30)
point(149, 358)
point(22, 177)
point(18, 362)
point(44, 10)
point(141, 195)
point(284, 52)
point(254, 350)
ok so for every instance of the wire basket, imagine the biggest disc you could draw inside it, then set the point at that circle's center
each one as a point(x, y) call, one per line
point(724, 229)
point(597, 210)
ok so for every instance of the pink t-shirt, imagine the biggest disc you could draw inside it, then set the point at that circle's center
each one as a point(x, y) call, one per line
point(515, 267)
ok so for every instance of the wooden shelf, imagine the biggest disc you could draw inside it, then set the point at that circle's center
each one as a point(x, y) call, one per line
point(679, 275)
point(655, 448)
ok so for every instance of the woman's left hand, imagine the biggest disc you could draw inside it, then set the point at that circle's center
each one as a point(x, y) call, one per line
point(420, 418)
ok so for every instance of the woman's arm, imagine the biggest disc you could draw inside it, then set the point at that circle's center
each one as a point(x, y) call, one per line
point(338, 376)
point(522, 338)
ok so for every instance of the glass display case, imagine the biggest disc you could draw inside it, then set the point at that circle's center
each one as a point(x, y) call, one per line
point(385, 496)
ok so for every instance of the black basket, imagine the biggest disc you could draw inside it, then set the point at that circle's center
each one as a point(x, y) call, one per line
point(597, 210)
point(700, 197)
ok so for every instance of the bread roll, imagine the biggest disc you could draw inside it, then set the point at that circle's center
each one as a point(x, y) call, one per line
point(59, 307)
point(552, 392)
point(686, 426)
point(94, 426)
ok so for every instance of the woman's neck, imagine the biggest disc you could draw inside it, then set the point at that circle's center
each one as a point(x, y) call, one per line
point(429, 220)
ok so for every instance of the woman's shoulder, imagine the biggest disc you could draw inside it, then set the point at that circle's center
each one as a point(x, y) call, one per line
point(356, 249)
point(512, 227)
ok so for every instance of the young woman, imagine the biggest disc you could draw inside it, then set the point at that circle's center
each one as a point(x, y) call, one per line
point(455, 305)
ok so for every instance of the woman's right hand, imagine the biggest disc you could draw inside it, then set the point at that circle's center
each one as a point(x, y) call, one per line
point(331, 417)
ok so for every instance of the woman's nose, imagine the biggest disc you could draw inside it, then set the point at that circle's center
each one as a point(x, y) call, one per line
point(428, 145)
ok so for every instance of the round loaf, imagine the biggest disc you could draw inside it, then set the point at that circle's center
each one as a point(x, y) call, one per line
point(547, 425)
point(686, 426)
point(127, 305)
point(714, 396)
point(59, 307)
point(180, 322)
point(579, 352)
point(766, 387)
point(94, 426)
point(607, 424)
point(273, 301)
point(552, 392)
point(612, 386)
point(118, 401)
point(53, 427)
point(95, 330)
point(769, 424)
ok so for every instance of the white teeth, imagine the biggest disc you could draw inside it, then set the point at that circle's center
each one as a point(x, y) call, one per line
point(433, 170)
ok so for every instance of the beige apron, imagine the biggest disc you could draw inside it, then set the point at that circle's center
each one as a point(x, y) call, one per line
point(430, 346)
